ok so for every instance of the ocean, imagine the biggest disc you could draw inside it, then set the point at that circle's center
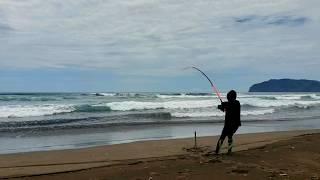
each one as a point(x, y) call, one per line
point(50, 121)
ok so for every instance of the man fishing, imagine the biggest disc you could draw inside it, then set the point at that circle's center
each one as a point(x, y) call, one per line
point(232, 117)
point(232, 120)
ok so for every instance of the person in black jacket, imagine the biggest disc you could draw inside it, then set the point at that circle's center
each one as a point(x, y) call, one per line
point(232, 121)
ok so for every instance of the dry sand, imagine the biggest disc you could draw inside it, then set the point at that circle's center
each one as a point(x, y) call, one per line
point(276, 155)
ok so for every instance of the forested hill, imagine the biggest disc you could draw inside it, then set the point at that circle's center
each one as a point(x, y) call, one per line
point(286, 85)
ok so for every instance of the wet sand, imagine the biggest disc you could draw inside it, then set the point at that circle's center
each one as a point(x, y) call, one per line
point(276, 155)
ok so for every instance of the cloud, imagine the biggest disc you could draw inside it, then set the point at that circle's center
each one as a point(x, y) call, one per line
point(5, 28)
point(272, 20)
point(143, 37)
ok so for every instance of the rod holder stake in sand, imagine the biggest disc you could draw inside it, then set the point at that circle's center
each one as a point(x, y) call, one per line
point(195, 140)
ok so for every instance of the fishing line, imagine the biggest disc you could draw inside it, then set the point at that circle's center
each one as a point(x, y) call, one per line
point(215, 90)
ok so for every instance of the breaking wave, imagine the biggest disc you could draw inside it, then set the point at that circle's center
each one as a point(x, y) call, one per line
point(185, 95)
point(178, 105)
point(138, 105)
point(220, 114)
point(12, 111)
point(91, 108)
point(181, 108)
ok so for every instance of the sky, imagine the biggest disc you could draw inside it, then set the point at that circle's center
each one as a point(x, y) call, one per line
point(144, 45)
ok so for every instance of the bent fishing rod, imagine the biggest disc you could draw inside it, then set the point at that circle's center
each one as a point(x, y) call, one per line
point(215, 90)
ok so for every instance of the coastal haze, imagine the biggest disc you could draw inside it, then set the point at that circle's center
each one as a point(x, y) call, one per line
point(47, 121)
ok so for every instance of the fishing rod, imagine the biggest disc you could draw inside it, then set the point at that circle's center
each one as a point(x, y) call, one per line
point(212, 85)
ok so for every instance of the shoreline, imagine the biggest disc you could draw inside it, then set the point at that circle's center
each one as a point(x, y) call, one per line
point(72, 160)
point(86, 138)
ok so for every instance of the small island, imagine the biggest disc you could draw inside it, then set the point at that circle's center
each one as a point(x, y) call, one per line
point(286, 85)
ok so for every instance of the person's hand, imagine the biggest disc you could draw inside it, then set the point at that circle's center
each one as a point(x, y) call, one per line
point(220, 107)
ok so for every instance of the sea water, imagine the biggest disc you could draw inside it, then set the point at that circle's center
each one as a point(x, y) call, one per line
point(47, 121)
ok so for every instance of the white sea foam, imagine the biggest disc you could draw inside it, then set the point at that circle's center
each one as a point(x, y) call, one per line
point(293, 96)
point(200, 103)
point(288, 97)
point(137, 105)
point(104, 94)
point(182, 107)
point(279, 96)
point(315, 96)
point(276, 103)
point(274, 96)
point(257, 112)
point(196, 114)
point(108, 94)
point(33, 110)
point(185, 96)
point(219, 113)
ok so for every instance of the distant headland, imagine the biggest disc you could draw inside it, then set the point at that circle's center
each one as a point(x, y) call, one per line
point(286, 85)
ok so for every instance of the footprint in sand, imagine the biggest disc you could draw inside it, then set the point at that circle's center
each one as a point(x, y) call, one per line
point(240, 171)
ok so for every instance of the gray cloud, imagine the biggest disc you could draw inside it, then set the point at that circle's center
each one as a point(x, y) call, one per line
point(5, 28)
point(272, 20)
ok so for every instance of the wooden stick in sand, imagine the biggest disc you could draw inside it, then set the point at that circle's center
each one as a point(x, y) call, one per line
point(195, 140)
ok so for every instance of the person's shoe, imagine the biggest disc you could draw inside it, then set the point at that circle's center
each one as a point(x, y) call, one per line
point(230, 148)
point(229, 152)
point(219, 144)
point(216, 152)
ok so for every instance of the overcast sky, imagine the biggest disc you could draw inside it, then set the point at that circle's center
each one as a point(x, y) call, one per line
point(143, 45)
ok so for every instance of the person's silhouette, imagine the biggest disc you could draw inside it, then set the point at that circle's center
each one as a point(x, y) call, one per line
point(232, 121)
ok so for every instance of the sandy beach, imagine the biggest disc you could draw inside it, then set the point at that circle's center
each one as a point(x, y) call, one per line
point(289, 154)
point(143, 90)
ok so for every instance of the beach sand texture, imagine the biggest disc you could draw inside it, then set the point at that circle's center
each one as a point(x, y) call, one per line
point(290, 154)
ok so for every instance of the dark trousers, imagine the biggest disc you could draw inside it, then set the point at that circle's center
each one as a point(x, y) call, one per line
point(227, 131)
